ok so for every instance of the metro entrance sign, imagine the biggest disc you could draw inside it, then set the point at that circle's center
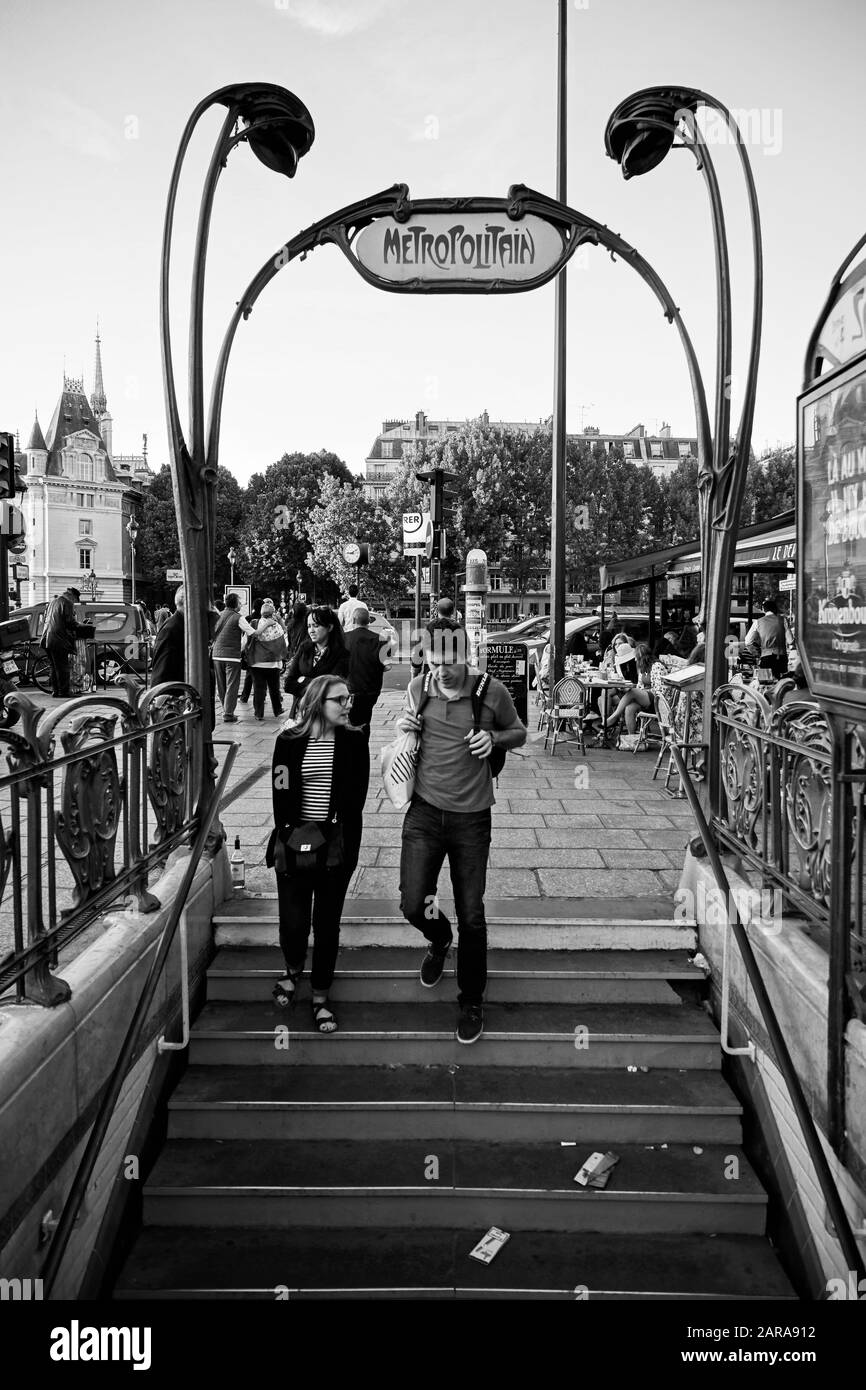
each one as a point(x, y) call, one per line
point(474, 247)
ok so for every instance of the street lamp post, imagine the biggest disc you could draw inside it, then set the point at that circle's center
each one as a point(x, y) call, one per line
point(132, 532)
point(231, 557)
point(279, 130)
point(639, 134)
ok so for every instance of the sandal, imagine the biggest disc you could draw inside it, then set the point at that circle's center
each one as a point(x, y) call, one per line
point(323, 1018)
point(286, 997)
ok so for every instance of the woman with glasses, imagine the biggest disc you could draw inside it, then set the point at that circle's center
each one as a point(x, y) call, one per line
point(321, 769)
point(324, 653)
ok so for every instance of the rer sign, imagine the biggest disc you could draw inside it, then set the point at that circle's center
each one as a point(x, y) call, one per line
point(469, 248)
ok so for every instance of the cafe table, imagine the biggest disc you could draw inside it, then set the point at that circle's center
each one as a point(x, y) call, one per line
point(604, 684)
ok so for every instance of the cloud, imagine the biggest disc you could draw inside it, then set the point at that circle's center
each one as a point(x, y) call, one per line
point(78, 128)
point(334, 19)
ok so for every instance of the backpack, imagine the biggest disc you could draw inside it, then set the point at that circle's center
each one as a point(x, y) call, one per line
point(496, 761)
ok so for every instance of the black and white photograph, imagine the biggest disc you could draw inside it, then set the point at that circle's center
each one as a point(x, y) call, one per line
point(432, 705)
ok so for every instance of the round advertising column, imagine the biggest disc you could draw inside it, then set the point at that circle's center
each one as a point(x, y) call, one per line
point(476, 592)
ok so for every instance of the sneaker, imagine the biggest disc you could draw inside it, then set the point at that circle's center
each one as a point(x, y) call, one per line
point(230, 719)
point(470, 1023)
point(432, 966)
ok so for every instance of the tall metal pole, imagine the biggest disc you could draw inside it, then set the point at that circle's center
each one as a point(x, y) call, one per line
point(557, 505)
point(417, 592)
point(132, 547)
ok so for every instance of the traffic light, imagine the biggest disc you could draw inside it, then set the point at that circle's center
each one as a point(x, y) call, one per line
point(449, 500)
point(7, 465)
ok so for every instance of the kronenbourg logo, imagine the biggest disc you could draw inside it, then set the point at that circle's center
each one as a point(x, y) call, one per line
point(77, 1343)
point(474, 246)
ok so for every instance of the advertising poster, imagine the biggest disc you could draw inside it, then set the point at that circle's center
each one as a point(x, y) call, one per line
point(832, 562)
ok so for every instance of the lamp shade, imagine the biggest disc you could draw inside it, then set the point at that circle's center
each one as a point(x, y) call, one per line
point(281, 128)
point(641, 130)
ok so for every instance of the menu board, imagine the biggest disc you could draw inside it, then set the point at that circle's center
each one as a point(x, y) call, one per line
point(508, 662)
point(831, 507)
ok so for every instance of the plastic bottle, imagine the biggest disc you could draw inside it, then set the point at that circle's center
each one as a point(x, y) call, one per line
point(238, 863)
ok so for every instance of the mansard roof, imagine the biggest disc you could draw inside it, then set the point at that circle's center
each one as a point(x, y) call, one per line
point(72, 413)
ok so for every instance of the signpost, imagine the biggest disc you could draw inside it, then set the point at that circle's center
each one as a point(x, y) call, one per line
point(244, 593)
point(174, 576)
point(508, 662)
point(417, 534)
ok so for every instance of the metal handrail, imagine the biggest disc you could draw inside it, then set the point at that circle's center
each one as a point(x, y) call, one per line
point(77, 1191)
point(829, 1188)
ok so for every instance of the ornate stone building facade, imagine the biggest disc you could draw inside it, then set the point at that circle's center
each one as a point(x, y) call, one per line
point(79, 499)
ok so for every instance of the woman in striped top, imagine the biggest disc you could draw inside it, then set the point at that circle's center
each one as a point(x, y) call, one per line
point(321, 770)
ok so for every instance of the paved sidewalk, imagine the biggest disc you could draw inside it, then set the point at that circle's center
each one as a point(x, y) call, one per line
point(564, 827)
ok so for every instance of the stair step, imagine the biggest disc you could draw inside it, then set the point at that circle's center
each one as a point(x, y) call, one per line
point(391, 973)
point(536, 933)
point(177, 1262)
point(516, 1186)
point(583, 1035)
point(438, 1103)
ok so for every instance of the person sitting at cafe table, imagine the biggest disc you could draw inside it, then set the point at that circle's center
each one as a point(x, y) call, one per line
point(633, 666)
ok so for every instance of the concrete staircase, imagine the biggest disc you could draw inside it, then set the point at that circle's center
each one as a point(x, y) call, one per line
point(369, 1163)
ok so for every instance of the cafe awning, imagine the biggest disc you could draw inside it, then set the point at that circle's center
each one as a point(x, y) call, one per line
point(768, 546)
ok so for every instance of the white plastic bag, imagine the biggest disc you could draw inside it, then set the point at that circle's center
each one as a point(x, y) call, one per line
point(399, 762)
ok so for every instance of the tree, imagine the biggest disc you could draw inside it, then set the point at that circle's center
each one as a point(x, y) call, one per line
point(274, 538)
point(502, 498)
point(157, 548)
point(680, 493)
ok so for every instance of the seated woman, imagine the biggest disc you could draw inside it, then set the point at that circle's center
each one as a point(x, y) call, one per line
point(638, 696)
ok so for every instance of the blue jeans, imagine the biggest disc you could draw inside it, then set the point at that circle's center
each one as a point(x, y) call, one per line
point(430, 834)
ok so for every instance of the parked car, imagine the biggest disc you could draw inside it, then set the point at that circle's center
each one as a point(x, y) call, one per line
point(383, 629)
point(121, 644)
point(535, 632)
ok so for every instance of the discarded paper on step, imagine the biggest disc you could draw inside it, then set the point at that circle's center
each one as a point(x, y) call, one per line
point(489, 1245)
point(597, 1169)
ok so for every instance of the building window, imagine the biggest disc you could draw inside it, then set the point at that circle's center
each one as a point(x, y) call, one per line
point(85, 469)
point(84, 558)
point(79, 499)
point(628, 448)
point(657, 449)
point(387, 449)
point(685, 450)
point(88, 499)
point(85, 528)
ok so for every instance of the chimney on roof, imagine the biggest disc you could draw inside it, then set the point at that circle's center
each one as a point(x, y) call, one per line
point(665, 431)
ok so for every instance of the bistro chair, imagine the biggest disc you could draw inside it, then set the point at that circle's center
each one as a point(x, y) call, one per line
point(567, 708)
point(666, 731)
point(648, 727)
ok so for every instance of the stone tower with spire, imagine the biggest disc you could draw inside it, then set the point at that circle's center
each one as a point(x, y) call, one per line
point(98, 401)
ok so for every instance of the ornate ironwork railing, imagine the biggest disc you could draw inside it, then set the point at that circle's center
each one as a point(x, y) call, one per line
point(98, 791)
point(776, 801)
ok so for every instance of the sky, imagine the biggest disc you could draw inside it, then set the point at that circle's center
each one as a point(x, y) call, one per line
point(450, 98)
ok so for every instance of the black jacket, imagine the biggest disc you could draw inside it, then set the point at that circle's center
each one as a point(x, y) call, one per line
point(169, 653)
point(303, 668)
point(366, 671)
point(348, 788)
point(61, 630)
